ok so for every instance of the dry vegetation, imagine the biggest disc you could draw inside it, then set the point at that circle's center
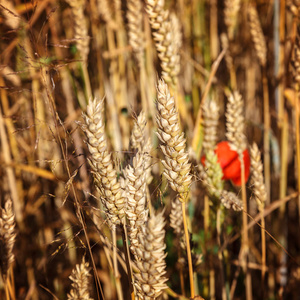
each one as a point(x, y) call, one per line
point(114, 181)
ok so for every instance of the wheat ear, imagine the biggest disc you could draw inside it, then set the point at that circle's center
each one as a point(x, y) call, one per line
point(80, 282)
point(167, 37)
point(211, 175)
point(105, 175)
point(259, 190)
point(135, 193)
point(176, 163)
point(80, 27)
point(150, 281)
point(7, 237)
point(135, 26)
point(140, 141)
point(257, 36)
point(235, 125)
point(211, 118)
point(231, 10)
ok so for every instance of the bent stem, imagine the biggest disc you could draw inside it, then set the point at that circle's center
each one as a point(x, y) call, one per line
point(188, 251)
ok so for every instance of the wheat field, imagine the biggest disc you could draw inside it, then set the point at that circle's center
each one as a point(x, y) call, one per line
point(149, 149)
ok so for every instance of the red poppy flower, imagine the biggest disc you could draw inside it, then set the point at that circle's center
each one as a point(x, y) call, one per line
point(230, 164)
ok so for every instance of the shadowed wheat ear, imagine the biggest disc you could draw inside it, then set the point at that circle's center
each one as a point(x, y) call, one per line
point(235, 123)
point(231, 10)
point(135, 26)
point(167, 37)
point(80, 277)
point(7, 237)
point(135, 193)
point(231, 201)
point(80, 27)
point(140, 141)
point(211, 118)
point(257, 36)
point(176, 164)
point(257, 179)
point(150, 256)
point(105, 175)
point(176, 220)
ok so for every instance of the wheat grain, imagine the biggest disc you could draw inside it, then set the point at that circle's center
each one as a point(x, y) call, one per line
point(105, 175)
point(176, 164)
point(257, 36)
point(7, 237)
point(80, 277)
point(150, 281)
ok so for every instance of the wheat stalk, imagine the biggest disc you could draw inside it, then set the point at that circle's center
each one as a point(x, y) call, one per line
point(7, 237)
point(105, 175)
point(257, 36)
point(150, 281)
point(80, 282)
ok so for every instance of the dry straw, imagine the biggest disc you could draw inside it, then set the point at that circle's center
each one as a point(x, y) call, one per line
point(150, 281)
point(80, 278)
point(176, 164)
point(257, 36)
point(7, 237)
point(105, 175)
